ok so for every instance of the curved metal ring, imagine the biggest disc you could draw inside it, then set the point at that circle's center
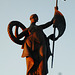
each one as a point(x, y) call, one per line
point(9, 29)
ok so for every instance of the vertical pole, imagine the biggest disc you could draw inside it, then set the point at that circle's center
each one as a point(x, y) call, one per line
point(53, 48)
point(56, 3)
point(53, 41)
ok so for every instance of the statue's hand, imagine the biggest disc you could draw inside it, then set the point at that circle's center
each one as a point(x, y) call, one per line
point(52, 37)
point(56, 7)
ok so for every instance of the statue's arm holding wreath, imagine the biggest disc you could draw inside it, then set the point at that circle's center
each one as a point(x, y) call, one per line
point(24, 33)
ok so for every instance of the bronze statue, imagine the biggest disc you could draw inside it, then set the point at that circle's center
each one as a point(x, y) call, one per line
point(36, 47)
point(35, 44)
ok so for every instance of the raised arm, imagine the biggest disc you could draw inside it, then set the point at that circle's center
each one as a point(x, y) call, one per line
point(47, 24)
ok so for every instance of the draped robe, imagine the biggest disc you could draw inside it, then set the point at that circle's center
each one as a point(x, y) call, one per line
point(37, 51)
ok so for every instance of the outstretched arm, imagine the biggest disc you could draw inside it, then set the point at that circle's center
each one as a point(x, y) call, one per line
point(47, 24)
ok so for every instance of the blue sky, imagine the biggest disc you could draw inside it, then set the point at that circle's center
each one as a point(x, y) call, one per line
point(20, 10)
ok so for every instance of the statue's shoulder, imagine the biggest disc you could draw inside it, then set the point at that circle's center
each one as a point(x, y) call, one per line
point(40, 27)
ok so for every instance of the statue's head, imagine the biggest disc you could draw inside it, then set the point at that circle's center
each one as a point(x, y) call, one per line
point(34, 18)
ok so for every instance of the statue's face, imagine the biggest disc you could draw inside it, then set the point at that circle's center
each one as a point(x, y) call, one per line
point(34, 18)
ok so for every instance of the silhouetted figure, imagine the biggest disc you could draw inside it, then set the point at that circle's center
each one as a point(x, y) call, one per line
point(36, 47)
